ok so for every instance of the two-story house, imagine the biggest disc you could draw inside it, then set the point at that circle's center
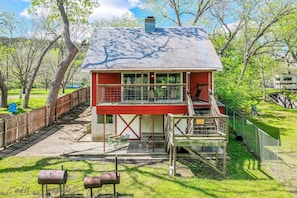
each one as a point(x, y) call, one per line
point(141, 77)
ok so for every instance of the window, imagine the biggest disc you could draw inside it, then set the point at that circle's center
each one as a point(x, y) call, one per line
point(135, 91)
point(287, 78)
point(108, 119)
point(165, 89)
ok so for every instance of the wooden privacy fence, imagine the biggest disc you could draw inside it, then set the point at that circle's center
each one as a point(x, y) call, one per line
point(15, 128)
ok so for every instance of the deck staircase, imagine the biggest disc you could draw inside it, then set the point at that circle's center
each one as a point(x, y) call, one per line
point(205, 137)
point(204, 126)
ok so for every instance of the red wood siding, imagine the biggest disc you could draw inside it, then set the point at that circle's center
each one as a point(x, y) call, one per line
point(222, 109)
point(152, 109)
point(94, 82)
point(203, 79)
point(109, 78)
point(106, 93)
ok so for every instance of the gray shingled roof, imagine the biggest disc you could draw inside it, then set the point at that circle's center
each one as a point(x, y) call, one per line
point(176, 48)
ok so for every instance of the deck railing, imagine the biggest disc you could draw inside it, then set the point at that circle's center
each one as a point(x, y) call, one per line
point(177, 126)
point(183, 126)
point(140, 93)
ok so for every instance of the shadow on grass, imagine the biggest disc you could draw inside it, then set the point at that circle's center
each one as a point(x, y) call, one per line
point(112, 195)
point(122, 195)
point(164, 178)
point(271, 130)
point(142, 177)
point(239, 162)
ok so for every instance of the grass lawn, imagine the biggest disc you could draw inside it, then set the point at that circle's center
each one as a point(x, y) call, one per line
point(37, 99)
point(18, 178)
point(280, 123)
point(273, 118)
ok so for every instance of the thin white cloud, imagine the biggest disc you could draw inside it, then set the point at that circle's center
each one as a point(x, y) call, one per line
point(25, 13)
point(113, 9)
point(107, 10)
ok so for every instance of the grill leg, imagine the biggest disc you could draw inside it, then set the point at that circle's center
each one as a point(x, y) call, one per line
point(114, 191)
point(46, 191)
point(42, 191)
point(60, 190)
point(63, 190)
point(91, 191)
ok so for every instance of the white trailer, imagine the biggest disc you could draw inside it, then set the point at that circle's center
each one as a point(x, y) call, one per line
point(285, 81)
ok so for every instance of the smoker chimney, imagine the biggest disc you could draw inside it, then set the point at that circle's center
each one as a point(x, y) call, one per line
point(150, 24)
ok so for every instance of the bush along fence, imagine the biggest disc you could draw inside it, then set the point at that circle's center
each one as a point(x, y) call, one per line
point(17, 127)
point(262, 145)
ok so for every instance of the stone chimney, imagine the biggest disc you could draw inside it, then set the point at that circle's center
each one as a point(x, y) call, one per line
point(150, 24)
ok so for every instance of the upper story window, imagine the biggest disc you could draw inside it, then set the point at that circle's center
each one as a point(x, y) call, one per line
point(152, 87)
point(135, 78)
point(168, 78)
point(133, 89)
point(165, 88)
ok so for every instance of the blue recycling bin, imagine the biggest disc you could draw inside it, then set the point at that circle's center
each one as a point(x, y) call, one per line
point(13, 109)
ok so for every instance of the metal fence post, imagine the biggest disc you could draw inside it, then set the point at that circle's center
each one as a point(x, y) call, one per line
point(234, 120)
point(260, 144)
point(277, 158)
point(243, 128)
point(256, 138)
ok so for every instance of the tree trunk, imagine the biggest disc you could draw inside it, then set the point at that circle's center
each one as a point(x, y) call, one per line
point(27, 96)
point(263, 80)
point(71, 51)
point(245, 62)
point(4, 92)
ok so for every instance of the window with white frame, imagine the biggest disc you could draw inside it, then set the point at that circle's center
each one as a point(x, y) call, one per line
point(165, 86)
point(134, 86)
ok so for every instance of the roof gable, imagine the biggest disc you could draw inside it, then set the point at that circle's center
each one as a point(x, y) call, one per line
point(178, 48)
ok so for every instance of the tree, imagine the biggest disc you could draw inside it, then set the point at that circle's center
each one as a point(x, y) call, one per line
point(286, 33)
point(32, 79)
point(71, 52)
point(228, 15)
point(5, 23)
point(4, 91)
point(126, 20)
point(25, 54)
point(77, 11)
point(181, 12)
point(258, 23)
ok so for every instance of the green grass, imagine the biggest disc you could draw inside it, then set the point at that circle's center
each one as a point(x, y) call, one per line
point(37, 91)
point(244, 178)
point(37, 99)
point(278, 121)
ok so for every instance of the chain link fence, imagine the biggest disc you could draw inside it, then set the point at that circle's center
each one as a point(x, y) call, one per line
point(262, 145)
point(280, 163)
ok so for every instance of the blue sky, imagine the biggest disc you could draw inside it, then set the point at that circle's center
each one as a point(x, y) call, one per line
point(14, 6)
point(108, 8)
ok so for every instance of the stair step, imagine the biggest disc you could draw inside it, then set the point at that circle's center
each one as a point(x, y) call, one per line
point(205, 132)
point(202, 111)
point(201, 130)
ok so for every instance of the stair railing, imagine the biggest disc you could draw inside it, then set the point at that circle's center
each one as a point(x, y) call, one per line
point(222, 125)
point(191, 112)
